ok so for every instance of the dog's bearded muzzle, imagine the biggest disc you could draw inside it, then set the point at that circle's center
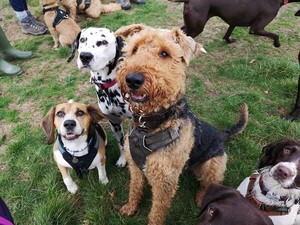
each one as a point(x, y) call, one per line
point(134, 82)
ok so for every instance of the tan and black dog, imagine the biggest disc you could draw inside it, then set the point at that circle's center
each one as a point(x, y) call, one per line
point(58, 21)
point(165, 137)
point(80, 142)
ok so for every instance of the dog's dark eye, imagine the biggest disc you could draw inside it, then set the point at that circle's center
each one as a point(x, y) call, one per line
point(60, 114)
point(287, 151)
point(211, 211)
point(134, 50)
point(99, 43)
point(82, 40)
point(80, 113)
point(164, 54)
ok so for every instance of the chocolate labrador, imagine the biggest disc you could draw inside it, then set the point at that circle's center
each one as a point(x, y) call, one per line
point(226, 206)
point(296, 111)
point(243, 13)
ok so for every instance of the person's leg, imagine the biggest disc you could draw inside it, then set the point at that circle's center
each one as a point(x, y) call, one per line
point(28, 23)
point(8, 52)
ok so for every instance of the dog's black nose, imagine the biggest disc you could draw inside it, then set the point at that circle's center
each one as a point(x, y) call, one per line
point(135, 80)
point(86, 57)
point(69, 124)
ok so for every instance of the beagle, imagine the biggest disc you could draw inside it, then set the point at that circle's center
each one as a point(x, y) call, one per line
point(80, 142)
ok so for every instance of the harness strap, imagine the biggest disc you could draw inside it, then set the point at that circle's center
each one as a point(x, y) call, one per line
point(267, 209)
point(142, 145)
point(60, 15)
point(81, 164)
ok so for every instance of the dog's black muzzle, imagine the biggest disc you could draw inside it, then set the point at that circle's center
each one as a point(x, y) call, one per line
point(135, 80)
point(86, 58)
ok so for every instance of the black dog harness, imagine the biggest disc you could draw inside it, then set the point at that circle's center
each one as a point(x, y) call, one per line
point(207, 142)
point(60, 14)
point(142, 145)
point(81, 164)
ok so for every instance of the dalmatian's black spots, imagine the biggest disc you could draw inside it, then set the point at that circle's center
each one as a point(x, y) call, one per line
point(102, 44)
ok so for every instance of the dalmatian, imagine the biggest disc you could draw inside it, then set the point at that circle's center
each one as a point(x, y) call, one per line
point(99, 50)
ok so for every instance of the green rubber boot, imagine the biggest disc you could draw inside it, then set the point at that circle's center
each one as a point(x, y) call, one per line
point(8, 52)
point(9, 69)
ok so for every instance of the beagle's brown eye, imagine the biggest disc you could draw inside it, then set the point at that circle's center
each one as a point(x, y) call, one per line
point(80, 113)
point(287, 151)
point(60, 114)
point(164, 54)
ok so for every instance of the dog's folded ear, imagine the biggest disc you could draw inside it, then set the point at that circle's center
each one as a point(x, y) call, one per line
point(48, 125)
point(188, 45)
point(130, 30)
point(74, 46)
point(297, 13)
point(95, 114)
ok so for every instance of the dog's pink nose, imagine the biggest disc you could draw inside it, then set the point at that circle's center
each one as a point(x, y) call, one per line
point(283, 172)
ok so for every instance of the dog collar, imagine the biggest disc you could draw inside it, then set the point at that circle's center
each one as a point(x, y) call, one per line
point(143, 144)
point(102, 86)
point(267, 209)
point(155, 120)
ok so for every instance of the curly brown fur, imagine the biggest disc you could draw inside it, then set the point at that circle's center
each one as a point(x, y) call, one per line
point(93, 11)
point(152, 78)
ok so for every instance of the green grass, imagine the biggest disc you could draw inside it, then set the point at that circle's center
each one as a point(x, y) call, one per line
point(250, 70)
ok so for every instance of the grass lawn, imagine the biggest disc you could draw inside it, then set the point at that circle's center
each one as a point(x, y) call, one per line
point(250, 70)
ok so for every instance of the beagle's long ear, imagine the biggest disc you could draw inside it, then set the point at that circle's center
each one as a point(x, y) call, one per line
point(95, 114)
point(297, 13)
point(74, 46)
point(48, 125)
point(130, 30)
point(190, 48)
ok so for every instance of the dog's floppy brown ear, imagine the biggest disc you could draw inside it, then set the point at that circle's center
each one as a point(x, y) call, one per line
point(74, 47)
point(95, 114)
point(48, 125)
point(189, 46)
point(130, 30)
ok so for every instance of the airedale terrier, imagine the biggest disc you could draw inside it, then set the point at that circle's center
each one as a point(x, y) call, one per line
point(164, 136)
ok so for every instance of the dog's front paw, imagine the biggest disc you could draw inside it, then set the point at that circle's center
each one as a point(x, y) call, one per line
point(103, 180)
point(128, 210)
point(121, 161)
point(71, 185)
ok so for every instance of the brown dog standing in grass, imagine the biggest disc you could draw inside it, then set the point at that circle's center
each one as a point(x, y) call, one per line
point(243, 13)
point(165, 137)
point(92, 8)
point(58, 21)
